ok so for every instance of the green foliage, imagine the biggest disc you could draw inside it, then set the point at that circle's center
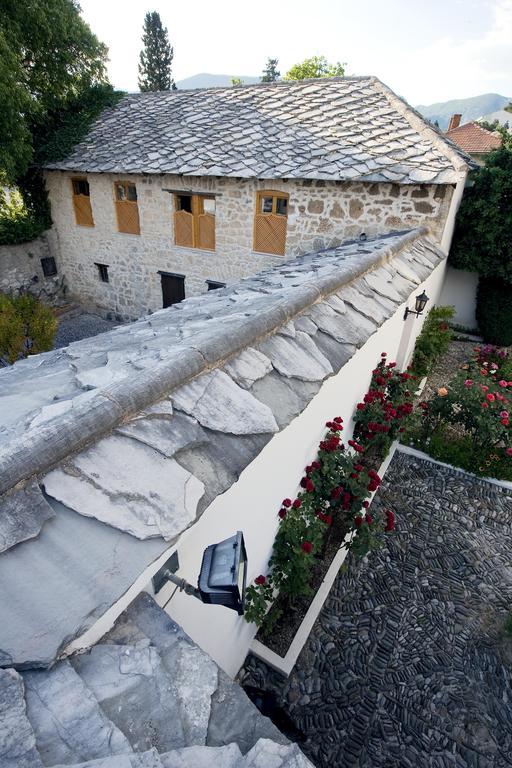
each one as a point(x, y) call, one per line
point(316, 66)
point(494, 310)
point(155, 60)
point(27, 327)
point(236, 81)
point(271, 73)
point(48, 54)
point(433, 340)
point(503, 130)
point(483, 234)
point(27, 214)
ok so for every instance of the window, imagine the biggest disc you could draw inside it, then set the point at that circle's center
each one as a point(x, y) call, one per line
point(270, 222)
point(48, 266)
point(82, 203)
point(103, 272)
point(173, 288)
point(127, 208)
point(194, 221)
point(213, 285)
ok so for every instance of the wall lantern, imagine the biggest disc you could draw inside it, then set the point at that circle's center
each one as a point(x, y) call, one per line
point(222, 578)
point(419, 306)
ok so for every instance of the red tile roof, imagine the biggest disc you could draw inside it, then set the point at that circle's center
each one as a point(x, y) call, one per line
point(474, 139)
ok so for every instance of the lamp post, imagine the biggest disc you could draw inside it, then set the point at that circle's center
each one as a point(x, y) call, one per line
point(222, 578)
point(419, 305)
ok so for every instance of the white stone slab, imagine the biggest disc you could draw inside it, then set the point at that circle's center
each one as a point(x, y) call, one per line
point(297, 358)
point(130, 486)
point(219, 404)
point(247, 367)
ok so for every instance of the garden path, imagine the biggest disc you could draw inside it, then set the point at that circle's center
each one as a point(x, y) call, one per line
point(408, 664)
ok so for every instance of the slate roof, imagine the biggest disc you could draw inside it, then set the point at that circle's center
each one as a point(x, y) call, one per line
point(134, 432)
point(474, 139)
point(334, 128)
point(145, 696)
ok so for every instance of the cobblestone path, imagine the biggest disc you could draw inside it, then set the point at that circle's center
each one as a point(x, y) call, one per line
point(408, 664)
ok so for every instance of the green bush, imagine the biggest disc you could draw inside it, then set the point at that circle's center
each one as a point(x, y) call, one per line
point(433, 340)
point(27, 327)
point(494, 311)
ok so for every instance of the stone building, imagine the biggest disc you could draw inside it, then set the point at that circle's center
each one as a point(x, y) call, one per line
point(172, 194)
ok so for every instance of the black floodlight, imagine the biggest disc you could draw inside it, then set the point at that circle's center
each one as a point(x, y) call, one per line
point(223, 573)
point(419, 305)
point(222, 578)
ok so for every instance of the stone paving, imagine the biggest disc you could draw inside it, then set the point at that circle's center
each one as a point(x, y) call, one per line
point(408, 664)
point(75, 326)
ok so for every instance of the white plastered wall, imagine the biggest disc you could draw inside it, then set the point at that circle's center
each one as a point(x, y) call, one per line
point(252, 503)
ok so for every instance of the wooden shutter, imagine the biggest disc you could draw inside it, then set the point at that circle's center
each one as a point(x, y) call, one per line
point(82, 205)
point(184, 229)
point(206, 231)
point(270, 233)
point(128, 217)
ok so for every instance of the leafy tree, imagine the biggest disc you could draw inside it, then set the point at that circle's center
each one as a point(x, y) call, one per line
point(156, 57)
point(483, 235)
point(316, 66)
point(48, 54)
point(237, 81)
point(271, 73)
point(27, 327)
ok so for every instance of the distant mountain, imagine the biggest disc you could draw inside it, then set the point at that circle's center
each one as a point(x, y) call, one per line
point(205, 80)
point(470, 109)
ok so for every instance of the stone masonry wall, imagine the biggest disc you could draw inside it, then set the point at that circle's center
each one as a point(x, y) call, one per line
point(321, 215)
point(21, 270)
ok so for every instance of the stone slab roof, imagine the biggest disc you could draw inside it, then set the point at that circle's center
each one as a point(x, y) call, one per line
point(145, 696)
point(334, 128)
point(474, 139)
point(121, 441)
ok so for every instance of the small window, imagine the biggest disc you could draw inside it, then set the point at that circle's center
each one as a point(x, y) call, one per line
point(127, 208)
point(270, 222)
point(103, 272)
point(173, 288)
point(213, 285)
point(82, 203)
point(194, 221)
point(48, 266)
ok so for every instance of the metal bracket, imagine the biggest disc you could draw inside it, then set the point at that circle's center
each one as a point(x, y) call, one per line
point(171, 565)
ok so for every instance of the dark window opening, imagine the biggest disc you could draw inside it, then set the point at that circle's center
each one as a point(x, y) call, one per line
point(49, 267)
point(173, 289)
point(213, 285)
point(184, 203)
point(103, 272)
point(81, 187)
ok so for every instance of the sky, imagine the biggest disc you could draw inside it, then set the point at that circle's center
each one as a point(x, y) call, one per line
point(425, 50)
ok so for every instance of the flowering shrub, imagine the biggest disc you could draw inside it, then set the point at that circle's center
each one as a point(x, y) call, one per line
point(335, 497)
point(467, 422)
point(379, 418)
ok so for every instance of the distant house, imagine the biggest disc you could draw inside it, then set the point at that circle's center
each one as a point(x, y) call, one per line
point(473, 139)
point(173, 194)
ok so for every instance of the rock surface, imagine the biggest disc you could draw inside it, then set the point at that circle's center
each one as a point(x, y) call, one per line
point(17, 740)
point(23, 513)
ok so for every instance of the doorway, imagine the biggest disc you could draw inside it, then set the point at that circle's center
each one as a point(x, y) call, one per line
point(173, 288)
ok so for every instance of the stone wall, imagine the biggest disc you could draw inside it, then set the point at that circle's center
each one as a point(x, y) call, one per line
point(321, 215)
point(21, 269)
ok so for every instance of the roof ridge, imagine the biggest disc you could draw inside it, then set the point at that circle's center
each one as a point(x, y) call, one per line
point(280, 83)
point(460, 161)
point(86, 423)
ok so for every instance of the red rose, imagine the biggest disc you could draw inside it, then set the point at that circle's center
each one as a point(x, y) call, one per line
point(315, 465)
point(383, 354)
point(490, 397)
point(390, 520)
point(303, 482)
point(505, 422)
point(260, 580)
point(391, 365)
point(306, 547)
point(338, 420)
point(287, 502)
point(369, 519)
point(358, 467)
point(327, 519)
point(366, 504)
point(282, 513)
point(354, 475)
point(297, 504)
point(360, 406)
point(310, 486)
point(358, 521)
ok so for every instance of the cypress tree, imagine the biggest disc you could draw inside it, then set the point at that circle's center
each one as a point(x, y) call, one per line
point(270, 73)
point(156, 56)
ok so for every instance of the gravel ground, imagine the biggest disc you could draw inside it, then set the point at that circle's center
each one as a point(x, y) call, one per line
point(81, 325)
point(458, 353)
point(408, 665)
